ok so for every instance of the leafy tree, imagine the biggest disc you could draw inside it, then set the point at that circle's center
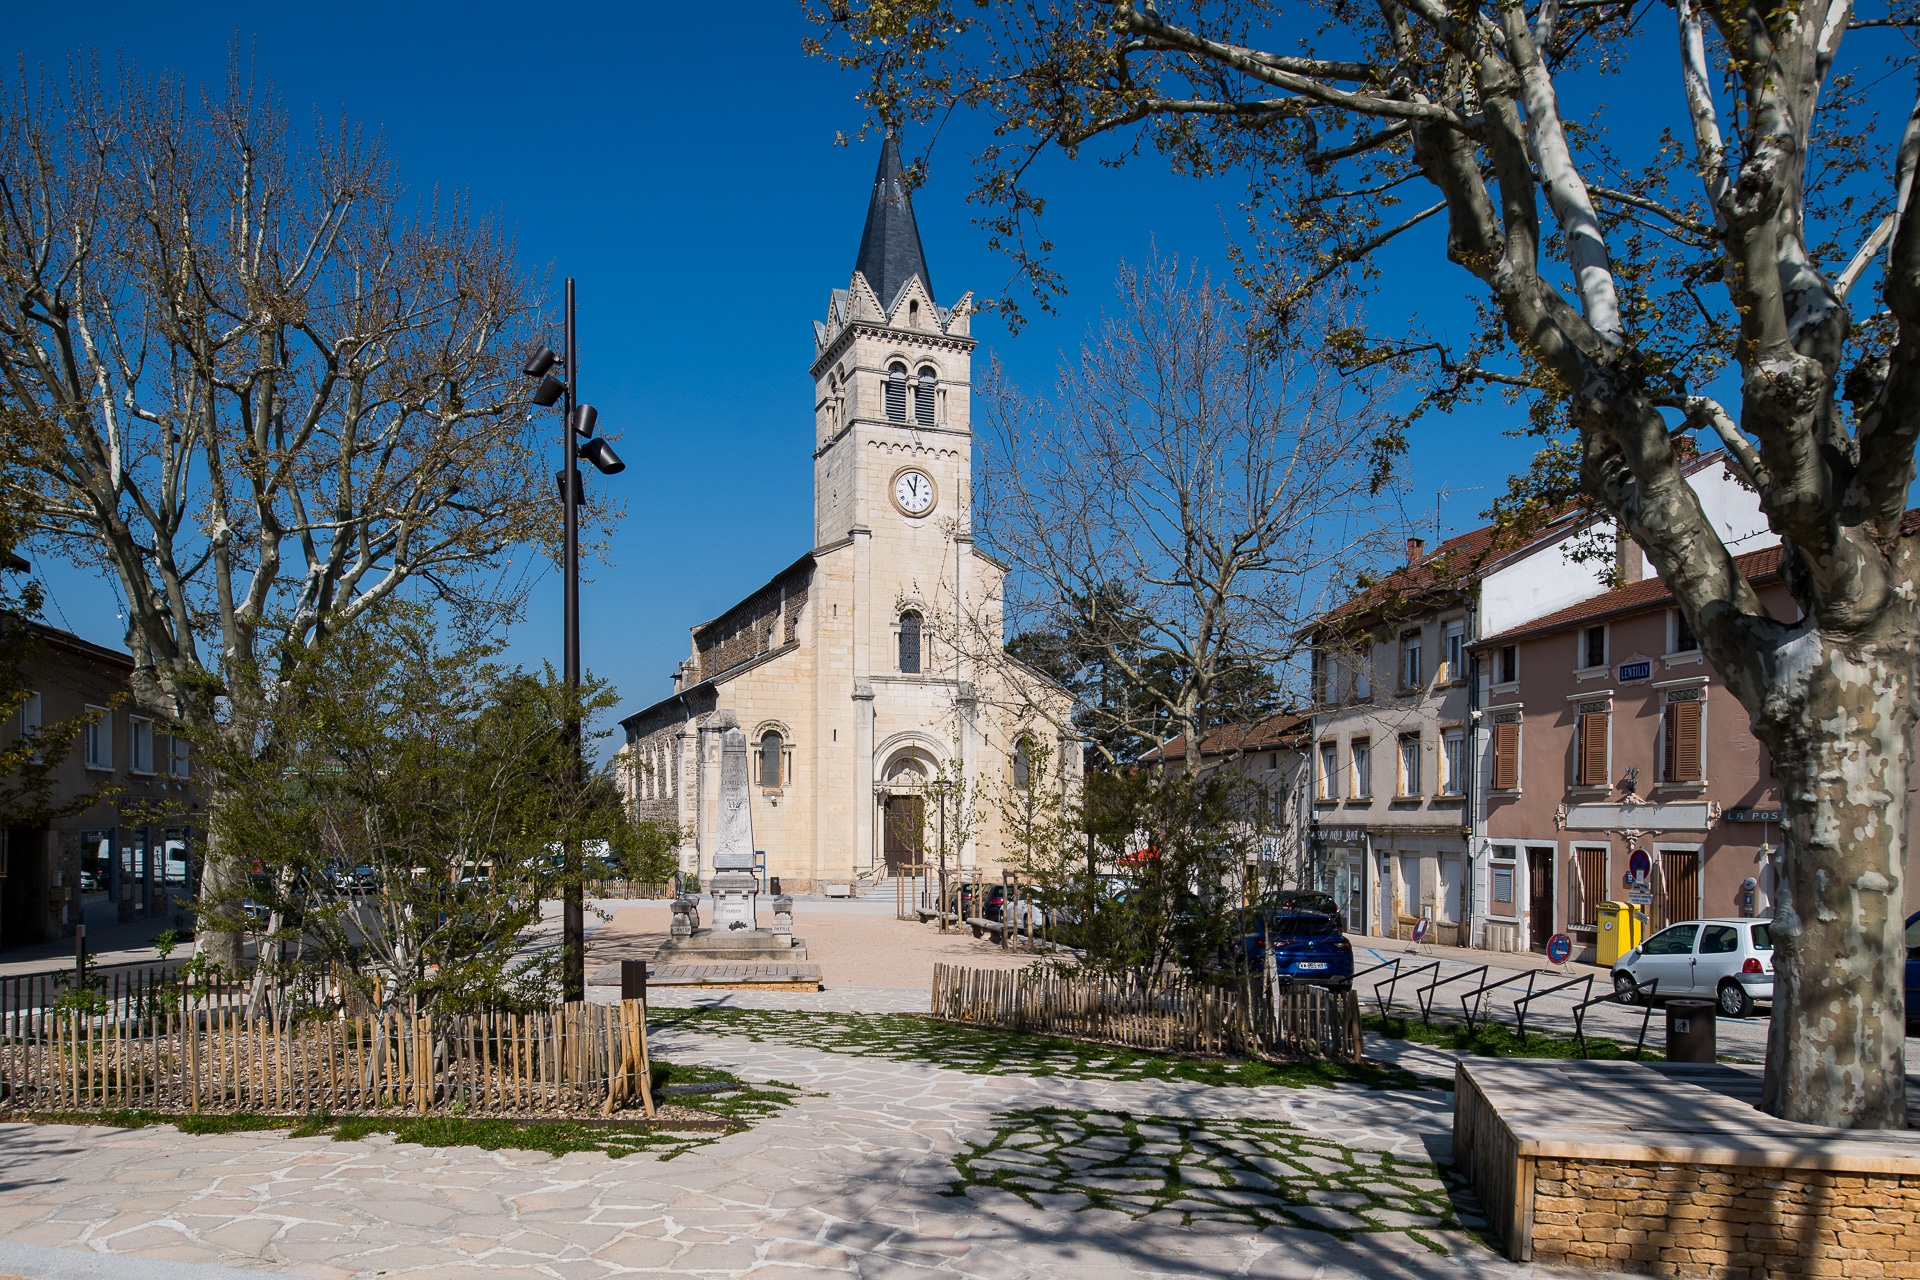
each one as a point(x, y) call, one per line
point(282, 388)
point(402, 815)
point(1748, 267)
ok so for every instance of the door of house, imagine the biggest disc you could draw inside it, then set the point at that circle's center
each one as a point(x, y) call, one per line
point(1450, 890)
point(1539, 898)
point(1355, 872)
point(904, 838)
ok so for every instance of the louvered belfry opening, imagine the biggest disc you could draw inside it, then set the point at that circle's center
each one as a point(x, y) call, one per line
point(897, 393)
point(923, 394)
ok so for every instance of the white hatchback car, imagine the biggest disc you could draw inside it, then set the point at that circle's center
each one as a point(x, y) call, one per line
point(1730, 961)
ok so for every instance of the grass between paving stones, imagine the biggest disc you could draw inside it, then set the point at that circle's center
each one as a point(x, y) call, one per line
point(1254, 1173)
point(1496, 1040)
point(908, 1037)
point(740, 1106)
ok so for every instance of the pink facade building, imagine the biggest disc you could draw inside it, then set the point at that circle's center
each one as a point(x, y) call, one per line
point(1604, 730)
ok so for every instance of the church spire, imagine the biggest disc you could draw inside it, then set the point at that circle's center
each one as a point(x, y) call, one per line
point(890, 253)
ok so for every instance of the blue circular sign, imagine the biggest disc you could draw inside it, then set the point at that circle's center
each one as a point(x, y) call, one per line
point(1639, 866)
point(1559, 947)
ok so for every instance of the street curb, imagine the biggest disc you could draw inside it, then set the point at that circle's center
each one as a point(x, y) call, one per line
point(38, 1262)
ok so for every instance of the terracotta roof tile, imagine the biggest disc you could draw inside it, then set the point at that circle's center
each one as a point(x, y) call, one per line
point(1259, 735)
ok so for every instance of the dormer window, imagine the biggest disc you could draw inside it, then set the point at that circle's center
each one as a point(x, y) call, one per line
point(923, 394)
point(897, 392)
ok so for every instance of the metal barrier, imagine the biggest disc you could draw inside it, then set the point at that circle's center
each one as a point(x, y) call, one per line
point(1393, 984)
point(1425, 994)
point(1651, 987)
point(1467, 1000)
point(1519, 1006)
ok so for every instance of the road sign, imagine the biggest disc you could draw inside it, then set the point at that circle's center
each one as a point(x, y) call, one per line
point(1639, 898)
point(1559, 947)
point(1639, 867)
point(1421, 928)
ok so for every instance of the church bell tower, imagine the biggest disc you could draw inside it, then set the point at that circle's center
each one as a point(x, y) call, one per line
point(891, 368)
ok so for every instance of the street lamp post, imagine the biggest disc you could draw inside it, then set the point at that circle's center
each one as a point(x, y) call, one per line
point(577, 424)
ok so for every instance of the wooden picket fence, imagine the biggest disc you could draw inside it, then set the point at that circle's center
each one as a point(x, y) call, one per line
point(1291, 1021)
point(170, 1045)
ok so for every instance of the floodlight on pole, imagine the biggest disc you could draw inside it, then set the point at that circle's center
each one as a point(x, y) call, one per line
point(541, 362)
point(601, 455)
point(584, 419)
point(548, 392)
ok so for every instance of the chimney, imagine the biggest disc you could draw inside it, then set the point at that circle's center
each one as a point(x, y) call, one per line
point(1416, 548)
point(1630, 563)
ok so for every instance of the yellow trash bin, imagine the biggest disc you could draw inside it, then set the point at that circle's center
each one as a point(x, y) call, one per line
point(1619, 933)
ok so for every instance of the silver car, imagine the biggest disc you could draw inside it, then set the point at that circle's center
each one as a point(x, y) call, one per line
point(1730, 961)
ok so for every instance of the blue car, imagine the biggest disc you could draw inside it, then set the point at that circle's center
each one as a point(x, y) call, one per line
point(1307, 946)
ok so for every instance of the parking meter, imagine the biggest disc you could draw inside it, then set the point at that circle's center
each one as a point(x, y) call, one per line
point(1748, 888)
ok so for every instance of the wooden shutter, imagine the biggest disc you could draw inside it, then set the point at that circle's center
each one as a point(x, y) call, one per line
point(1683, 742)
point(1506, 756)
point(1593, 749)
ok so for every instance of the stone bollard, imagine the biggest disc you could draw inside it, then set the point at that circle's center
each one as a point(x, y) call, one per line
point(783, 915)
point(686, 917)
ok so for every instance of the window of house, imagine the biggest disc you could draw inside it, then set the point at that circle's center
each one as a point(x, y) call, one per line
point(1329, 766)
point(179, 756)
point(897, 392)
point(1362, 682)
point(1329, 679)
point(1591, 766)
point(910, 643)
point(1453, 745)
point(923, 393)
point(1508, 665)
point(1456, 651)
point(1361, 753)
point(1586, 887)
point(1593, 647)
point(1682, 759)
point(1506, 751)
point(770, 751)
point(1503, 886)
point(1410, 668)
point(1410, 764)
point(1684, 641)
point(1022, 766)
point(140, 745)
point(30, 714)
point(99, 739)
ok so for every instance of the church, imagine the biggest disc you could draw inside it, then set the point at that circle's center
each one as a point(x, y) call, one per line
point(869, 676)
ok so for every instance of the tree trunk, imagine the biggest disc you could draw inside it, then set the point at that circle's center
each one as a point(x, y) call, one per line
point(221, 888)
point(1836, 1048)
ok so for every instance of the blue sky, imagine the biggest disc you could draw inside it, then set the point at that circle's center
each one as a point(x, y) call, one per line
point(706, 212)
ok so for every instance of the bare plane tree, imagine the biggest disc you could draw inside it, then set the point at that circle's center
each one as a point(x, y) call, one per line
point(281, 393)
point(1625, 275)
point(1174, 514)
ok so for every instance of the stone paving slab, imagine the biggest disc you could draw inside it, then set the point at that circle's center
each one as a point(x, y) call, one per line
point(857, 1179)
point(805, 977)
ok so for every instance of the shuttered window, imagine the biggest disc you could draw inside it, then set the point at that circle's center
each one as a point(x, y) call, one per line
point(1683, 755)
point(1587, 887)
point(1506, 751)
point(1592, 768)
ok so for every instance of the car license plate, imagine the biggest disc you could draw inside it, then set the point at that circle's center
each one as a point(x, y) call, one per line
point(1311, 964)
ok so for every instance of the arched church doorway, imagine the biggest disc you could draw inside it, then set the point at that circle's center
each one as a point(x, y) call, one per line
point(903, 812)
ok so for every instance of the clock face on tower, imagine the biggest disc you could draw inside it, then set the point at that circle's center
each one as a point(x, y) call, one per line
point(913, 492)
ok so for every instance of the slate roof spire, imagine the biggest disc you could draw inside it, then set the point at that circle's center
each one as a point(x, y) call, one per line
point(890, 252)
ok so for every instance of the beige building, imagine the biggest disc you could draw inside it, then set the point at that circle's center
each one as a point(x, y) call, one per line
point(850, 671)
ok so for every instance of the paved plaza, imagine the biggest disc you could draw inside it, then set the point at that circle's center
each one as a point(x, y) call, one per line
point(885, 1166)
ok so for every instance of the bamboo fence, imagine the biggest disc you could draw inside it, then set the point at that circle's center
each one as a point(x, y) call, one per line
point(1288, 1021)
point(166, 1044)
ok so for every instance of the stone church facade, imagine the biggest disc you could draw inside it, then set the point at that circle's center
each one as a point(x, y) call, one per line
point(851, 670)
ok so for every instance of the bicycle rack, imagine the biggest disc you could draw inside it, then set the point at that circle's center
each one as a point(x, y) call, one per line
point(1466, 1001)
point(1519, 1006)
point(1393, 964)
point(1651, 987)
point(1394, 984)
point(1425, 994)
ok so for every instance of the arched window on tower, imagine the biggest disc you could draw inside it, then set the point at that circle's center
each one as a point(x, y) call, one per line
point(910, 643)
point(923, 393)
point(770, 747)
point(1022, 766)
point(897, 392)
